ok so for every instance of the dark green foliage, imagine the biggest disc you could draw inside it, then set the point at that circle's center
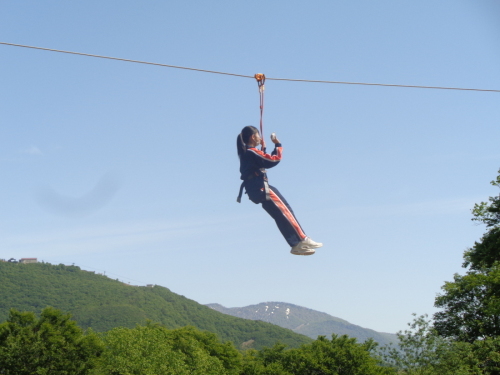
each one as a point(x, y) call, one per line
point(489, 213)
point(340, 355)
point(485, 253)
point(102, 303)
point(471, 307)
point(52, 345)
point(471, 303)
point(153, 349)
point(487, 353)
point(469, 322)
point(227, 355)
point(421, 351)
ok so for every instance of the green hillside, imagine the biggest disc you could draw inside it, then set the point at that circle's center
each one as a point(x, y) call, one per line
point(305, 321)
point(102, 303)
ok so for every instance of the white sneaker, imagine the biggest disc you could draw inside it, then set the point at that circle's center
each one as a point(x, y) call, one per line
point(306, 247)
point(302, 249)
point(310, 243)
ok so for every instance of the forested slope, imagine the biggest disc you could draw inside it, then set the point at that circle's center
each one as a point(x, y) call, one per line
point(102, 303)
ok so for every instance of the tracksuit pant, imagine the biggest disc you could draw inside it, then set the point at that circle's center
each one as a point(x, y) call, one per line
point(282, 213)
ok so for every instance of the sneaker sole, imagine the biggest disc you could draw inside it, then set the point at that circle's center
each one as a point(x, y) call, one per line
point(306, 252)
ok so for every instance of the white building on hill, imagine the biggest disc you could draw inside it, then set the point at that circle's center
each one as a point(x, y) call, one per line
point(28, 260)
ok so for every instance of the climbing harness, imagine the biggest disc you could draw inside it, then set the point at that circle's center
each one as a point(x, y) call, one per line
point(261, 173)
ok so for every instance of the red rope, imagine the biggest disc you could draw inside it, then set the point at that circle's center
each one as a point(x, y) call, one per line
point(261, 79)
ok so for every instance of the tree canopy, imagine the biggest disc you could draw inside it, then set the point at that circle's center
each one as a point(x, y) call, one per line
point(471, 303)
point(52, 344)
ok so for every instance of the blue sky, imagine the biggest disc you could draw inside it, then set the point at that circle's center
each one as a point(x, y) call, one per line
point(132, 169)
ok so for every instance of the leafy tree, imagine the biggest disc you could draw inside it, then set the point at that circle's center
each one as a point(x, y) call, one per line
point(489, 213)
point(421, 351)
point(208, 343)
point(52, 344)
point(485, 253)
point(338, 356)
point(144, 350)
point(471, 306)
point(153, 350)
point(471, 303)
point(487, 352)
point(267, 361)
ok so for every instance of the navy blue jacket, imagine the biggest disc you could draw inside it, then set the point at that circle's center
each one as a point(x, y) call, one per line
point(253, 164)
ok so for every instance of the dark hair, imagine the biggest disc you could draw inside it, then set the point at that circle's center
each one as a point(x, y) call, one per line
point(244, 137)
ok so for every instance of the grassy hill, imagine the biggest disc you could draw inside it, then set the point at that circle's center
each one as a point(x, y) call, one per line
point(305, 321)
point(102, 303)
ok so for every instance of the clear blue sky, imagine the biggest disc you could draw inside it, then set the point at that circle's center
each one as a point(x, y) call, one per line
point(132, 169)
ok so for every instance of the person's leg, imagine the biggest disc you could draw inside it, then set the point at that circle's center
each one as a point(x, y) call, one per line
point(282, 213)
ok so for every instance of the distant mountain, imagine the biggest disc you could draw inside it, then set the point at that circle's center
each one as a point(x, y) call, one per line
point(102, 303)
point(304, 321)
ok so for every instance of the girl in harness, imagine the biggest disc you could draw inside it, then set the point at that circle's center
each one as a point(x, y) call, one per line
point(253, 164)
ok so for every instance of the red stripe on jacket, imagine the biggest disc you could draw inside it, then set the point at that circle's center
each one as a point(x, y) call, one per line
point(268, 157)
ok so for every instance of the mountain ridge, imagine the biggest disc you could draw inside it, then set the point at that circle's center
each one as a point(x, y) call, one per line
point(305, 321)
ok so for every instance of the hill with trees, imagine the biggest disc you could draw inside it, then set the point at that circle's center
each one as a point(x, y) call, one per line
point(305, 321)
point(98, 302)
point(54, 344)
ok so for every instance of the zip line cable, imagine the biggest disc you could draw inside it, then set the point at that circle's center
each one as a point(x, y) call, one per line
point(126, 60)
point(247, 76)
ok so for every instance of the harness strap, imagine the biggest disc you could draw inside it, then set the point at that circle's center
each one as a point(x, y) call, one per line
point(241, 192)
point(266, 190)
point(249, 177)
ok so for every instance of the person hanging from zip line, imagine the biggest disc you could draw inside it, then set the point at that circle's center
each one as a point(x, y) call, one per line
point(253, 164)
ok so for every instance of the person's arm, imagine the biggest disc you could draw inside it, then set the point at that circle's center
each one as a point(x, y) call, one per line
point(277, 144)
point(264, 160)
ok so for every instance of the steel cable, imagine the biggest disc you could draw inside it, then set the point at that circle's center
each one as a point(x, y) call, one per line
point(247, 76)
